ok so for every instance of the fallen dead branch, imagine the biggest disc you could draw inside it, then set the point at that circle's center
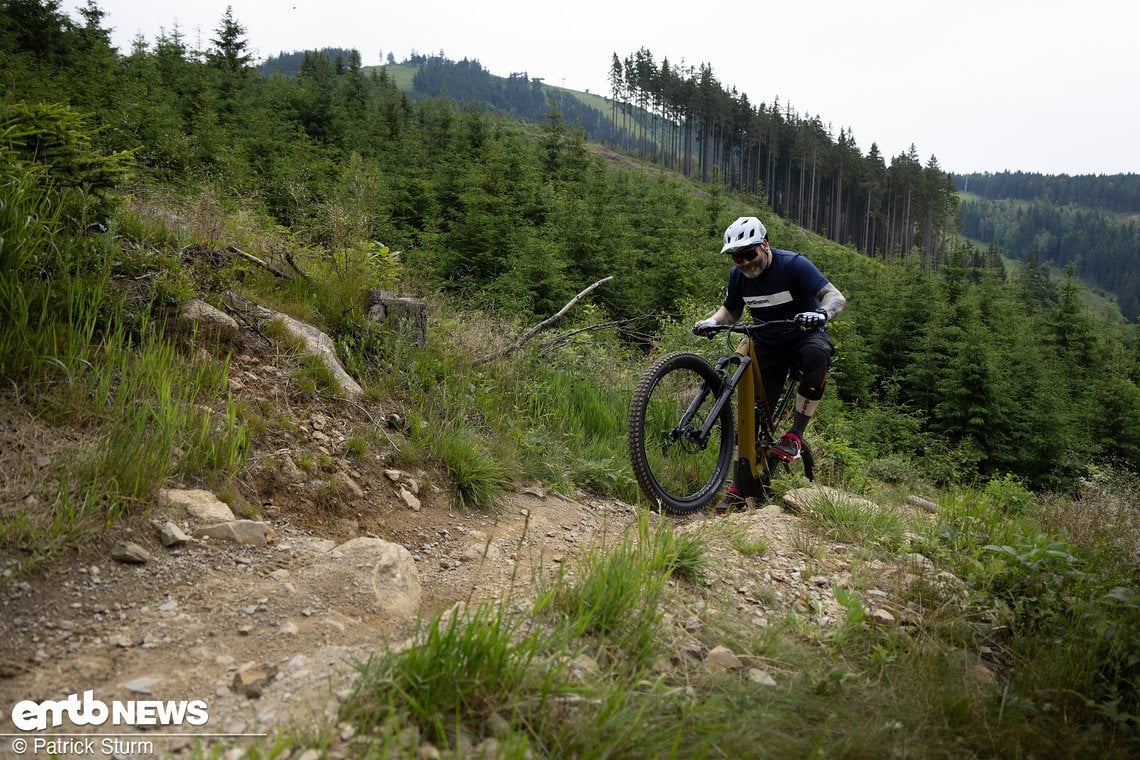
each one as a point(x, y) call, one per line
point(255, 260)
point(296, 268)
point(561, 340)
point(544, 324)
point(922, 503)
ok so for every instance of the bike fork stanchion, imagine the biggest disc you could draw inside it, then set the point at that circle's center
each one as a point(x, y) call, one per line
point(747, 473)
point(742, 364)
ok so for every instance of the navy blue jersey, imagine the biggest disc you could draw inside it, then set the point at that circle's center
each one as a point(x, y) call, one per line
point(788, 287)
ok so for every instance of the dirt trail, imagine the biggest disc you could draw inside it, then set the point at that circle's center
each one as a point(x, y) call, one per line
point(181, 626)
point(357, 549)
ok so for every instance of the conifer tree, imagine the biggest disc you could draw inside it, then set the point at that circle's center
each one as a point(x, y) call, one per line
point(229, 53)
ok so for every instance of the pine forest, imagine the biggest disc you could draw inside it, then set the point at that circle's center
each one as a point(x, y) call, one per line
point(978, 349)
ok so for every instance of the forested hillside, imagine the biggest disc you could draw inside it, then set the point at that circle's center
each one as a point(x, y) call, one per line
point(949, 365)
point(1001, 620)
point(1091, 223)
point(1116, 192)
point(688, 120)
point(683, 118)
point(289, 63)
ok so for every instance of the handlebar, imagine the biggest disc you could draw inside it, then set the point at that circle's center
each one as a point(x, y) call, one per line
point(743, 329)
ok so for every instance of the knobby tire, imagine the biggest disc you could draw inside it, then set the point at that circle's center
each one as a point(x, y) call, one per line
point(672, 470)
point(778, 468)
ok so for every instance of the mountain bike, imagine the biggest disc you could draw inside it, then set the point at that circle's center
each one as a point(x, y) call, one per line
point(682, 437)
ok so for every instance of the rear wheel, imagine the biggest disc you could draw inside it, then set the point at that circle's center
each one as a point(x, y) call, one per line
point(780, 469)
point(676, 467)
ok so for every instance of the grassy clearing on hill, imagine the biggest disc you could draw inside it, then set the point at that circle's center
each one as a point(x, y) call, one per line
point(1040, 587)
point(1045, 590)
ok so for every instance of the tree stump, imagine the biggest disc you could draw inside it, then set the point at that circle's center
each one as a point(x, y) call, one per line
point(401, 313)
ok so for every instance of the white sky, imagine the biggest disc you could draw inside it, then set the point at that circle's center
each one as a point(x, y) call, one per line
point(983, 85)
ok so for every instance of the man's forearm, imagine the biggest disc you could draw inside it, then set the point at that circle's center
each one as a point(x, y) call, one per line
point(724, 317)
point(831, 301)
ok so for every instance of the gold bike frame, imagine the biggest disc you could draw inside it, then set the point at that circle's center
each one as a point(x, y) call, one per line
point(748, 390)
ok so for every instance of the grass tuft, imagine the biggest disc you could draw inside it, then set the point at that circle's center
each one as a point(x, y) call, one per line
point(464, 666)
point(82, 358)
point(845, 518)
point(748, 545)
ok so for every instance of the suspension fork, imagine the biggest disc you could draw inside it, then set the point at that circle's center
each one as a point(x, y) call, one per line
point(751, 399)
point(683, 429)
point(730, 384)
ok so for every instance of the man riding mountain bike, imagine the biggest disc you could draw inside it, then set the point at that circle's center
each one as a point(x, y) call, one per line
point(775, 285)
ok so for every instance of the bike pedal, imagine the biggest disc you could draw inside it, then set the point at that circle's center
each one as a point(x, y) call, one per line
point(723, 509)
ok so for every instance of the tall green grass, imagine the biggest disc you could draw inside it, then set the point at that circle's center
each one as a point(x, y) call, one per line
point(1063, 603)
point(464, 668)
point(157, 424)
point(614, 597)
point(76, 355)
point(854, 520)
point(577, 672)
point(583, 412)
point(527, 417)
point(478, 476)
point(596, 665)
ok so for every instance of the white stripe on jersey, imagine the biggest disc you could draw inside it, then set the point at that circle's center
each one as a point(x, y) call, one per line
point(775, 299)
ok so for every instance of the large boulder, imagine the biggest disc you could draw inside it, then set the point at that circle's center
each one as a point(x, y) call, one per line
point(197, 506)
point(376, 578)
point(319, 344)
point(311, 340)
point(802, 500)
point(200, 319)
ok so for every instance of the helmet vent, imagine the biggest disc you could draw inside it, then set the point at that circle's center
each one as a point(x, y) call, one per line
point(743, 233)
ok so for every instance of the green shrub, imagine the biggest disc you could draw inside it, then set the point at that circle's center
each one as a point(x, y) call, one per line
point(1008, 495)
point(894, 469)
point(59, 140)
point(30, 221)
point(838, 462)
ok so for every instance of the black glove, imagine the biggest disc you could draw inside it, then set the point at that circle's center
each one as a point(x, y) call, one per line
point(809, 320)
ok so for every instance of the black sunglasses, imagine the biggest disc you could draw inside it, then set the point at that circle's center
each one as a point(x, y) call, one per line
point(743, 257)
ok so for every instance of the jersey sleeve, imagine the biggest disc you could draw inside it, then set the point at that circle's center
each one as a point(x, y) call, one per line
point(808, 277)
point(734, 299)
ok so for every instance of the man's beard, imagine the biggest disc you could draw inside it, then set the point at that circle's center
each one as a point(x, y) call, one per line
point(752, 271)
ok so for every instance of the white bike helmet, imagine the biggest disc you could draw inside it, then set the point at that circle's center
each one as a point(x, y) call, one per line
point(745, 232)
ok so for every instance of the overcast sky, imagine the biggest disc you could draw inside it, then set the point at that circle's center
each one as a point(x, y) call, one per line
point(983, 85)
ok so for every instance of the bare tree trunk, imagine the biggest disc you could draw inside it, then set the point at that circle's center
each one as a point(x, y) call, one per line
point(813, 193)
point(889, 248)
point(867, 226)
point(803, 184)
point(906, 230)
point(837, 223)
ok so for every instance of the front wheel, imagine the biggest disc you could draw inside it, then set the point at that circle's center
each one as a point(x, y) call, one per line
point(675, 463)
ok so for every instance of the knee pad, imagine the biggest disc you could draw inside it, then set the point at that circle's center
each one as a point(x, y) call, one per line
point(814, 361)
